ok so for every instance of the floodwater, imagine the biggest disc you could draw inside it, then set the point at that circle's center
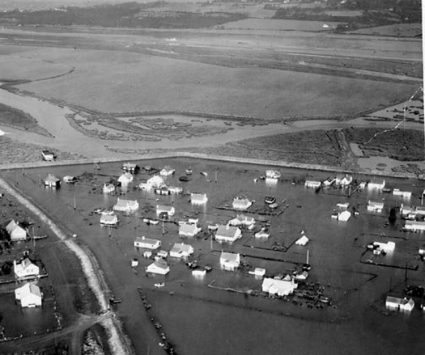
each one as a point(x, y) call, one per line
point(201, 320)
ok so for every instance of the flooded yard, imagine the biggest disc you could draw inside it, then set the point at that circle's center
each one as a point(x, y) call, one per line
point(199, 315)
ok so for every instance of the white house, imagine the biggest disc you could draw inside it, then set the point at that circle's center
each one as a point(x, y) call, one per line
point(399, 304)
point(376, 185)
point(312, 184)
point(414, 226)
point(108, 219)
point(48, 155)
point(343, 180)
point(241, 203)
point(132, 168)
point(376, 207)
point(167, 171)
point(273, 174)
point(229, 261)
point(16, 232)
point(387, 247)
point(69, 179)
point(52, 181)
point(159, 266)
point(227, 234)
point(127, 206)
point(188, 229)
point(344, 216)
point(181, 250)
point(403, 194)
point(147, 243)
point(198, 198)
point(302, 241)
point(29, 295)
point(278, 287)
point(175, 190)
point(108, 188)
point(169, 210)
point(25, 269)
point(242, 220)
point(125, 179)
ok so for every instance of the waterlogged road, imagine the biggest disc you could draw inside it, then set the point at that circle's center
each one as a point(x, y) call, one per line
point(66, 138)
point(118, 343)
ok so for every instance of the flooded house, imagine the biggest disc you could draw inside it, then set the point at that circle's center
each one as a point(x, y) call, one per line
point(374, 206)
point(414, 226)
point(229, 261)
point(403, 194)
point(164, 209)
point(127, 206)
point(159, 267)
point(108, 219)
point(48, 155)
point(69, 179)
point(399, 304)
point(108, 188)
point(187, 229)
point(312, 184)
point(154, 182)
point(376, 185)
point(278, 287)
point(15, 231)
point(181, 251)
point(131, 168)
point(125, 179)
point(241, 203)
point(227, 234)
point(273, 174)
point(147, 243)
point(29, 295)
point(198, 198)
point(25, 269)
point(167, 171)
point(343, 180)
point(242, 220)
point(52, 181)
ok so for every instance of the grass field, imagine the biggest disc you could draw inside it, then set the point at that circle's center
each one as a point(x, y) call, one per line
point(129, 82)
point(398, 30)
point(12, 117)
point(280, 25)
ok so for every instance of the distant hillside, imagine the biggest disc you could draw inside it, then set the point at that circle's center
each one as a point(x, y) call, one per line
point(51, 4)
point(129, 14)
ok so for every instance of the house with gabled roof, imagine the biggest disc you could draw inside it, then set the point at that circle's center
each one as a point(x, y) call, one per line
point(127, 206)
point(25, 269)
point(198, 198)
point(230, 261)
point(29, 295)
point(241, 203)
point(159, 267)
point(181, 251)
point(227, 234)
point(15, 231)
point(187, 229)
point(52, 181)
point(147, 243)
point(169, 210)
point(125, 179)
